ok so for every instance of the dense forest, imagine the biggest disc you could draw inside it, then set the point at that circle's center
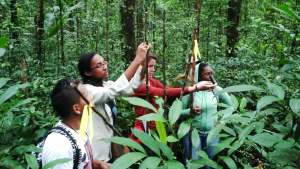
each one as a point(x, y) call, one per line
point(253, 47)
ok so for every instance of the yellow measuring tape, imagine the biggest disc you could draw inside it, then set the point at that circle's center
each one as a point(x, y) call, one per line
point(87, 112)
point(196, 50)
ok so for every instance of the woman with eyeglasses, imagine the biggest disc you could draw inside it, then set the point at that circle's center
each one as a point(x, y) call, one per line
point(204, 107)
point(93, 69)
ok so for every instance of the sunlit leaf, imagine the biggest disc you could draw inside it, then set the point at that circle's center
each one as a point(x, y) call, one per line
point(234, 101)
point(214, 132)
point(140, 102)
point(238, 88)
point(127, 160)
point(150, 163)
point(229, 162)
point(175, 111)
point(195, 139)
point(31, 160)
point(147, 140)
point(264, 101)
point(171, 139)
point(295, 106)
point(125, 141)
point(152, 117)
point(184, 128)
point(161, 131)
point(285, 9)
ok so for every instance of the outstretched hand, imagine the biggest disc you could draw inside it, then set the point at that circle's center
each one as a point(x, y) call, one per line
point(206, 85)
point(142, 51)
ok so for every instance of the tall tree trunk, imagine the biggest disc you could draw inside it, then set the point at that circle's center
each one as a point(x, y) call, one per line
point(154, 26)
point(78, 30)
point(107, 31)
point(127, 21)
point(40, 31)
point(220, 26)
point(140, 22)
point(61, 34)
point(24, 76)
point(14, 33)
point(234, 16)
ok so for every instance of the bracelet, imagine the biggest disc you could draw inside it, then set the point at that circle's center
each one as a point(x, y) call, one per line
point(196, 88)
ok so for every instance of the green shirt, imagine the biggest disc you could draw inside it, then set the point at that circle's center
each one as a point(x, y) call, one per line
point(207, 101)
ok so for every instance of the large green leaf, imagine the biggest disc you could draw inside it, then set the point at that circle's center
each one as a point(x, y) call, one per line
point(56, 27)
point(229, 162)
point(285, 9)
point(171, 139)
point(127, 160)
point(184, 127)
point(264, 101)
point(147, 140)
point(234, 101)
point(174, 164)
point(266, 139)
point(10, 92)
point(159, 101)
point(276, 90)
point(283, 156)
point(166, 150)
point(161, 131)
point(2, 51)
point(150, 163)
point(245, 132)
point(31, 160)
point(214, 132)
point(140, 102)
point(238, 88)
point(24, 149)
point(226, 111)
point(19, 103)
point(259, 126)
point(195, 139)
point(3, 81)
point(125, 141)
point(55, 162)
point(223, 144)
point(175, 111)
point(243, 103)
point(288, 67)
point(207, 162)
point(3, 41)
point(229, 130)
point(295, 106)
point(154, 135)
point(202, 154)
point(152, 117)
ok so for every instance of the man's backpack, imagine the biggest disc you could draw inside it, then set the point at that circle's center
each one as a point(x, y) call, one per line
point(63, 131)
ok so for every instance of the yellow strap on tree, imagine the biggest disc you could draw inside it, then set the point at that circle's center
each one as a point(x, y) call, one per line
point(196, 50)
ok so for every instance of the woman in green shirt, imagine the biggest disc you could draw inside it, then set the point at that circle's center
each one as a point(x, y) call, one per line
point(204, 106)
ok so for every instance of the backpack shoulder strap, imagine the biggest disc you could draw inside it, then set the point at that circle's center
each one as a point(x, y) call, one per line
point(61, 130)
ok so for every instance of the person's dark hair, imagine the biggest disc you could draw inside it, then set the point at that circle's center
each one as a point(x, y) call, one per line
point(151, 56)
point(201, 69)
point(84, 64)
point(63, 97)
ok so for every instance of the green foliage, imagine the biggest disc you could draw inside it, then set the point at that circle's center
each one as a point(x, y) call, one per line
point(264, 75)
point(55, 162)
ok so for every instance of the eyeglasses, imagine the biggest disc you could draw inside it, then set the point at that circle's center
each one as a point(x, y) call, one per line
point(100, 65)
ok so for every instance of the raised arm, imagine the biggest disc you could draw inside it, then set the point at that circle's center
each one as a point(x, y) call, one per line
point(140, 59)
